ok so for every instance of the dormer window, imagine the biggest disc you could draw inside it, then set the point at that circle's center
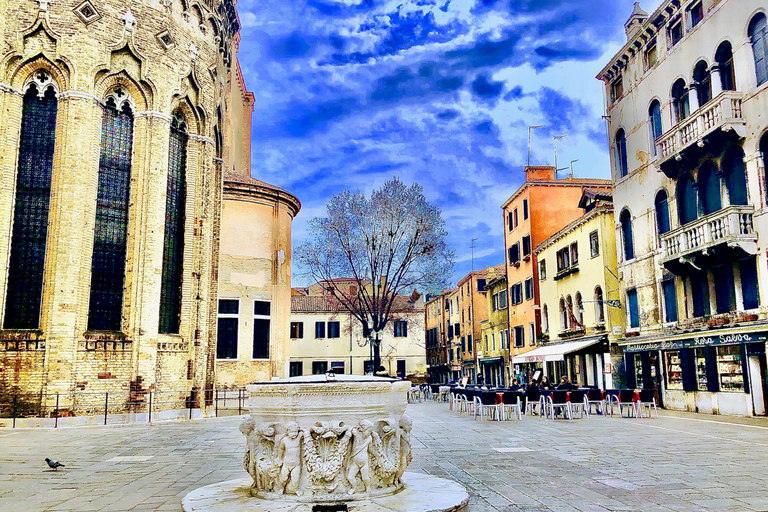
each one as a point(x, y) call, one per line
point(675, 32)
point(695, 14)
point(651, 55)
point(617, 89)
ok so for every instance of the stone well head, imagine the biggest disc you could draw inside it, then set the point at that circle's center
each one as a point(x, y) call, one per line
point(326, 438)
point(317, 398)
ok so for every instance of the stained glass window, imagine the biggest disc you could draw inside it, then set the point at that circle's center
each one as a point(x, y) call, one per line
point(173, 247)
point(111, 229)
point(30, 224)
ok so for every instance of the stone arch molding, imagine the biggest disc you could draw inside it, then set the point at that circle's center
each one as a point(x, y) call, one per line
point(22, 73)
point(194, 125)
point(138, 97)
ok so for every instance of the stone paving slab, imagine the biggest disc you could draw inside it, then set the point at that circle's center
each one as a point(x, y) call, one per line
point(679, 462)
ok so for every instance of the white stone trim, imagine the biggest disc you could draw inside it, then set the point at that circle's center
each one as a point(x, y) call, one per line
point(80, 95)
point(201, 138)
point(8, 88)
point(154, 113)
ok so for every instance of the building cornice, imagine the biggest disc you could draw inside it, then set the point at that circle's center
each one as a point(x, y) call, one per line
point(568, 182)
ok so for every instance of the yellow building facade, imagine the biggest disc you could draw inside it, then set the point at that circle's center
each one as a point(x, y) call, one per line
point(579, 293)
point(493, 345)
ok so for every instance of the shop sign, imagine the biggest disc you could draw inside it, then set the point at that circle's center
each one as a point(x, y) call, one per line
point(700, 341)
point(726, 339)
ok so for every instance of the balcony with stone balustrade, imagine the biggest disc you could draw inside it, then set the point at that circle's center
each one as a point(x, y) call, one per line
point(717, 119)
point(725, 235)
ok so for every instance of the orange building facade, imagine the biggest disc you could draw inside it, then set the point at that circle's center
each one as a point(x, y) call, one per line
point(539, 208)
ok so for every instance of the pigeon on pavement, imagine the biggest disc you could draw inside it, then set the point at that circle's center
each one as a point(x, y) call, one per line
point(54, 464)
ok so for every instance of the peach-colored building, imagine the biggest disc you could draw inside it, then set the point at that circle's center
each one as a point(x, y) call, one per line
point(539, 208)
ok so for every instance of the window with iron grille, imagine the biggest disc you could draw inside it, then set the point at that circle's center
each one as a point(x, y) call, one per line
point(30, 214)
point(111, 228)
point(226, 336)
point(173, 246)
point(594, 244)
point(261, 327)
point(296, 368)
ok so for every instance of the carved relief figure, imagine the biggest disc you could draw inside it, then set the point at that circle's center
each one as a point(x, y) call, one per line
point(405, 447)
point(289, 451)
point(249, 461)
point(359, 459)
point(325, 451)
point(265, 466)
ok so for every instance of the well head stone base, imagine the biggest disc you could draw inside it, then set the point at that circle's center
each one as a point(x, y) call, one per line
point(422, 493)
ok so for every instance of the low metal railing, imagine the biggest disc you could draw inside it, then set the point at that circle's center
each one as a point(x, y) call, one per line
point(122, 406)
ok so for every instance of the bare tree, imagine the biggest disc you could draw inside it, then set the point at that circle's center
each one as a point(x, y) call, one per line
point(391, 244)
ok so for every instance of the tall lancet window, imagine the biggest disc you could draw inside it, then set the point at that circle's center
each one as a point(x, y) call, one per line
point(111, 230)
point(173, 248)
point(30, 211)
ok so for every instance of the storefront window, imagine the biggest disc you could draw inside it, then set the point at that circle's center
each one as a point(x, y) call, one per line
point(674, 370)
point(701, 370)
point(729, 368)
point(638, 371)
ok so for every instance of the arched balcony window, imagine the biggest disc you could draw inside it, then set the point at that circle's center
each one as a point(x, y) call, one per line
point(621, 153)
point(173, 247)
point(599, 307)
point(687, 204)
point(662, 212)
point(626, 234)
point(758, 35)
point(724, 59)
point(569, 311)
point(32, 204)
point(764, 154)
point(545, 319)
point(654, 119)
point(579, 308)
point(735, 176)
point(703, 82)
point(563, 316)
point(112, 203)
point(709, 189)
point(680, 100)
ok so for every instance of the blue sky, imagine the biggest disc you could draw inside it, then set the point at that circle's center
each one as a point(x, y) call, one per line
point(350, 93)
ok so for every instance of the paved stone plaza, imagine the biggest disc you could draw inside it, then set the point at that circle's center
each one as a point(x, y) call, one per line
point(677, 462)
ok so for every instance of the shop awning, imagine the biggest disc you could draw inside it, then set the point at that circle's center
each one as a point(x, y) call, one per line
point(488, 360)
point(556, 352)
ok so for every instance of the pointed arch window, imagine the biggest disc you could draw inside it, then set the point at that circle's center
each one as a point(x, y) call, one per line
point(626, 235)
point(662, 212)
point(563, 315)
point(703, 82)
point(680, 100)
point(709, 189)
point(735, 176)
point(724, 58)
point(687, 209)
point(111, 227)
point(758, 35)
point(654, 118)
point(621, 153)
point(32, 204)
point(173, 246)
point(599, 311)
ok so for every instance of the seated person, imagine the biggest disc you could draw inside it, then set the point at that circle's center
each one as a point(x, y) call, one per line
point(565, 385)
point(545, 384)
point(515, 385)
